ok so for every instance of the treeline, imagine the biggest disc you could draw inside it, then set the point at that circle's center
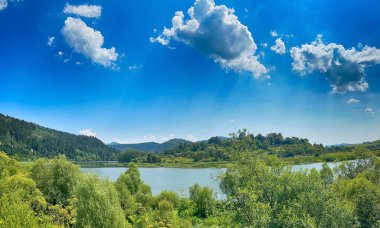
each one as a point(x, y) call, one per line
point(222, 149)
point(132, 155)
point(260, 192)
point(29, 141)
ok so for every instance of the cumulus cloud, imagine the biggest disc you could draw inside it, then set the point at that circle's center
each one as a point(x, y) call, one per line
point(352, 101)
point(217, 32)
point(90, 11)
point(50, 40)
point(273, 33)
point(160, 40)
point(279, 47)
point(369, 110)
point(87, 132)
point(343, 68)
point(87, 41)
point(3, 4)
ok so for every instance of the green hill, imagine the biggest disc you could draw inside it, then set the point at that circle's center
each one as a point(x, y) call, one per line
point(29, 141)
point(150, 146)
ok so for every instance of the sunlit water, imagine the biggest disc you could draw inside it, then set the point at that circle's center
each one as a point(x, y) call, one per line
point(180, 179)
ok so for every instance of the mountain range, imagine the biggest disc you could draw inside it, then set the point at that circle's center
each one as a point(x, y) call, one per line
point(149, 146)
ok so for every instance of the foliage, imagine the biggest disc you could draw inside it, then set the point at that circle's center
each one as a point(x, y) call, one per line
point(265, 193)
point(56, 178)
point(31, 141)
point(203, 200)
point(21, 202)
point(132, 155)
point(223, 149)
point(98, 204)
point(260, 191)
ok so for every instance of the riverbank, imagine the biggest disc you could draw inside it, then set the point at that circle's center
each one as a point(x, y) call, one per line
point(187, 163)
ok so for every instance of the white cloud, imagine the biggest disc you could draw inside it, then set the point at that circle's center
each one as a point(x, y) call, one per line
point(264, 45)
point(160, 40)
point(231, 121)
point(343, 68)
point(217, 32)
point(87, 41)
point(352, 101)
point(134, 67)
point(279, 47)
point(3, 4)
point(60, 53)
point(369, 110)
point(87, 132)
point(273, 33)
point(90, 11)
point(50, 40)
point(246, 10)
point(191, 137)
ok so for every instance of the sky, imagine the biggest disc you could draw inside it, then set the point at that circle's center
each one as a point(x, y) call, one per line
point(137, 71)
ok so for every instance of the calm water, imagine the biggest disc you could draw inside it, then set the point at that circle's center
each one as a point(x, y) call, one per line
point(174, 179)
point(180, 179)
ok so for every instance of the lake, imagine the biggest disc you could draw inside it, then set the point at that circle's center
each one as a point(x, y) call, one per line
point(180, 179)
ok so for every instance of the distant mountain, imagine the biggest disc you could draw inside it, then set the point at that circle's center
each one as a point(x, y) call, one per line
point(340, 144)
point(150, 146)
point(28, 141)
point(113, 144)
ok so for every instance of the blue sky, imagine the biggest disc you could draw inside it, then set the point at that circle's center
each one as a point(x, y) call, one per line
point(112, 70)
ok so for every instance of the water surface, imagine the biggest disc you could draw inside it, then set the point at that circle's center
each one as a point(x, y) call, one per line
point(174, 179)
point(180, 179)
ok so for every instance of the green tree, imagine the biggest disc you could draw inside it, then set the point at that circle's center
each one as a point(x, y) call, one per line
point(326, 174)
point(56, 178)
point(14, 212)
point(166, 214)
point(203, 200)
point(365, 197)
point(98, 204)
point(170, 196)
point(265, 193)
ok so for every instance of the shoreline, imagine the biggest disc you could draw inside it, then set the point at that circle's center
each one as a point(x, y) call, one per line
point(200, 165)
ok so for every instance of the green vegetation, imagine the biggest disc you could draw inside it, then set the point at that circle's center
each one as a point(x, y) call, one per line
point(261, 191)
point(218, 152)
point(29, 141)
point(150, 146)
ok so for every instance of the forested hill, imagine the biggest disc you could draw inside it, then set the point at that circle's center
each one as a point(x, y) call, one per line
point(221, 149)
point(28, 141)
point(150, 146)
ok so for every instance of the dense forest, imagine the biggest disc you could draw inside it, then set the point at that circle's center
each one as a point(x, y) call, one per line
point(222, 149)
point(29, 141)
point(260, 192)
